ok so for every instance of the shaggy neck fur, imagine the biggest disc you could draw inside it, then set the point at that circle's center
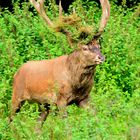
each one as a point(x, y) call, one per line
point(81, 73)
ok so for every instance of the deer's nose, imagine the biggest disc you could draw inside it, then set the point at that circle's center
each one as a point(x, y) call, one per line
point(100, 57)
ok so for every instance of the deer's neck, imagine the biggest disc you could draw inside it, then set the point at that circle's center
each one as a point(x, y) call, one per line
point(80, 72)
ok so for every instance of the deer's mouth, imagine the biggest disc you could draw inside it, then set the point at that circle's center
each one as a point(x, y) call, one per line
point(99, 59)
point(99, 62)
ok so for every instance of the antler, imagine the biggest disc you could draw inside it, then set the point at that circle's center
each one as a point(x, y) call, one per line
point(60, 9)
point(105, 17)
point(39, 6)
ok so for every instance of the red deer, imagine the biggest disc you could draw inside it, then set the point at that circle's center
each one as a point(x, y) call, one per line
point(64, 80)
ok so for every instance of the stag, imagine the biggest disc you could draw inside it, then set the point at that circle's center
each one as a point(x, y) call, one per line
point(64, 80)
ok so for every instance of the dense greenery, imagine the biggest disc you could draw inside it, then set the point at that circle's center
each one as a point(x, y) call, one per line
point(116, 92)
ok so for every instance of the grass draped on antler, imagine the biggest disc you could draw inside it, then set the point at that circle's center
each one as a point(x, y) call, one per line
point(79, 33)
point(71, 25)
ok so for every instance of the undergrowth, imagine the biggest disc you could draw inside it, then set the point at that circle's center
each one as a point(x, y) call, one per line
point(116, 92)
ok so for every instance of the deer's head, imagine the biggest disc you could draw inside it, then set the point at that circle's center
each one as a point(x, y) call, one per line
point(91, 54)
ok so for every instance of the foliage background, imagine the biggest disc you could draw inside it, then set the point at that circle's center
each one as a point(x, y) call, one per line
point(116, 93)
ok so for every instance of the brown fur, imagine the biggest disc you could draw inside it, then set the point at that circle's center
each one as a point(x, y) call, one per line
point(60, 81)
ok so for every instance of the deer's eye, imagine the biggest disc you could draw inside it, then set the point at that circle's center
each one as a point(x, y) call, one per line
point(85, 48)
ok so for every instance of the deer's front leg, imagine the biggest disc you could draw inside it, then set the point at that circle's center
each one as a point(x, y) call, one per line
point(86, 105)
point(62, 103)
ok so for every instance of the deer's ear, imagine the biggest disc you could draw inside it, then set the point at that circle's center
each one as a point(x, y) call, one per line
point(84, 47)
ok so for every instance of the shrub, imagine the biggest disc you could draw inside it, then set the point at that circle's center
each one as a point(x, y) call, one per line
point(115, 96)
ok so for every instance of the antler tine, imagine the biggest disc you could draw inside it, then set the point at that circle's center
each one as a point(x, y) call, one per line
point(39, 6)
point(105, 14)
point(60, 9)
point(105, 17)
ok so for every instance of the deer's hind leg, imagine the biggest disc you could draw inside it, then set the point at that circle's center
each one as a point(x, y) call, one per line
point(16, 105)
point(15, 108)
point(43, 113)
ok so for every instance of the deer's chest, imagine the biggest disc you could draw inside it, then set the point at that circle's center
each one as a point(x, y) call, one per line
point(76, 90)
point(76, 94)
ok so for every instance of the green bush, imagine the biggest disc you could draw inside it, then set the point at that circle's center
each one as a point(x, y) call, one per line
point(116, 92)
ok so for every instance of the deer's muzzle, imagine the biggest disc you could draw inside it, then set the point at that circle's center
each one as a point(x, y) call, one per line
point(99, 59)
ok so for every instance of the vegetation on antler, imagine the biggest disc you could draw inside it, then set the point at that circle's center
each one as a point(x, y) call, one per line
point(74, 23)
